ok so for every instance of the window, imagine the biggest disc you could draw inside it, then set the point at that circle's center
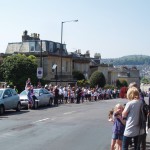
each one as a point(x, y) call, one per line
point(58, 45)
point(66, 66)
point(45, 91)
point(32, 46)
point(8, 93)
point(51, 46)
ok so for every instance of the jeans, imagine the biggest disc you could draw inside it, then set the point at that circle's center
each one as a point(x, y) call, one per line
point(126, 141)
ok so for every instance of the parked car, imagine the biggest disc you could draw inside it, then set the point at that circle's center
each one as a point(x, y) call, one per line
point(43, 97)
point(9, 99)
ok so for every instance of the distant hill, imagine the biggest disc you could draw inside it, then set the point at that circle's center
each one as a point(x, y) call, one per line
point(129, 60)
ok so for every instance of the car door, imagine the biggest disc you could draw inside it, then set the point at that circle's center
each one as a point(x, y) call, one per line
point(7, 98)
point(15, 98)
point(47, 96)
point(41, 97)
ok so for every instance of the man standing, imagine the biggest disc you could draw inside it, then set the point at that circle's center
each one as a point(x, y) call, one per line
point(56, 92)
point(79, 92)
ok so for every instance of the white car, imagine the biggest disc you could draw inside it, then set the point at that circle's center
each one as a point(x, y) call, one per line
point(43, 97)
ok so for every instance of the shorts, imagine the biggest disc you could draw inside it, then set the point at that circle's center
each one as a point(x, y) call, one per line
point(117, 136)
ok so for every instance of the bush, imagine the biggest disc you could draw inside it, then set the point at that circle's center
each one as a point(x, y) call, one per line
point(97, 79)
point(83, 83)
point(78, 75)
point(107, 86)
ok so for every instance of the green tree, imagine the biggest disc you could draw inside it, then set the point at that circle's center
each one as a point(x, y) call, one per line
point(97, 78)
point(124, 83)
point(145, 80)
point(118, 83)
point(17, 68)
point(82, 83)
point(78, 75)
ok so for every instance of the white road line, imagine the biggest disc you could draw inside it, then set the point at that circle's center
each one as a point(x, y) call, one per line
point(41, 120)
point(67, 113)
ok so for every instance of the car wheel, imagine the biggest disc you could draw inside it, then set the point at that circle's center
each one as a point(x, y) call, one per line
point(18, 107)
point(35, 105)
point(2, 110)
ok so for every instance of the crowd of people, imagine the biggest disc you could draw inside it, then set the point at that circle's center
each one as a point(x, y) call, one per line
point(130, 121)
point(67, 94)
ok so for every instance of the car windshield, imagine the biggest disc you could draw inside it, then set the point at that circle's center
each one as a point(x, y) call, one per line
point(36, 91)
point(1, 92)
point(23, 92)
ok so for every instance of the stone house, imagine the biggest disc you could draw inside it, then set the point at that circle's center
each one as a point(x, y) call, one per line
point(49, 53)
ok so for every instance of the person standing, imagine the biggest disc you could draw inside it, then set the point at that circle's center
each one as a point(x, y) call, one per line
point(144, 117)
point(28, 83)
point(56, 93)
point(29, 94)
point(79, 92)
point(131, 113)
point(118, 127)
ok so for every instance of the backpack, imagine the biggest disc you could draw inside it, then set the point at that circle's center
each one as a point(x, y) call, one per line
point(143, 115)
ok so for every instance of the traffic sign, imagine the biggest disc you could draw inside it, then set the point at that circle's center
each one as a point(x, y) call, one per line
point(39, 72)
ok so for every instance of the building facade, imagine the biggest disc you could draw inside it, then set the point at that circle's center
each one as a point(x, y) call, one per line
point(49, 53)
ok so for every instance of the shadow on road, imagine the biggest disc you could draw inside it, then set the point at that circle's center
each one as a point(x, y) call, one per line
point(147, 146)
point(13, 112)
point(45, 107)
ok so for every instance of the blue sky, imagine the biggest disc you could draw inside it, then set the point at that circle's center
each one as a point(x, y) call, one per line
point(113, 28)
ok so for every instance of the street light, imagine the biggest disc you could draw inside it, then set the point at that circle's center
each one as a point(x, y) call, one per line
point(62, 44)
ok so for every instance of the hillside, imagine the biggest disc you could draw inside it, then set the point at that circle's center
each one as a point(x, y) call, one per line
point(129, 60)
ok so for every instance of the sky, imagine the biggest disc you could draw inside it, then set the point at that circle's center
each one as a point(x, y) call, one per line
point(113, 28)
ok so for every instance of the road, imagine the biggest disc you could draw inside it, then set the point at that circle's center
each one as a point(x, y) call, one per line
point(67, 127)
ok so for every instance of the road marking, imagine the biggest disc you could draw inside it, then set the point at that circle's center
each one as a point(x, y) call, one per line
point(41, 120)
point(67, 113)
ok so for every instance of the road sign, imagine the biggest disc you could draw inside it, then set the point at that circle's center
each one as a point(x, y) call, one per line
point(39, 72)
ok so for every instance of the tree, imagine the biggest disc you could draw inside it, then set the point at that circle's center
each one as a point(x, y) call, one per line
point(118, 83)
point(78, 75)
point(97, 78)
point(124, 83)
point(145, 80)
point(82, 83)
point(17, 68)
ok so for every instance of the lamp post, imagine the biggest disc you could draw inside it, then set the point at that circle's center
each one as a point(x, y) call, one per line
point(41, 55)
point(62, 44)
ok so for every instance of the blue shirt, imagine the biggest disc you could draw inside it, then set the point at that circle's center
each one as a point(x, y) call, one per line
point(118, 126)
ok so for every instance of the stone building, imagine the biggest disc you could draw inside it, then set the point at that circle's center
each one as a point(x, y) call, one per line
point(112, 73)
point(49, 53)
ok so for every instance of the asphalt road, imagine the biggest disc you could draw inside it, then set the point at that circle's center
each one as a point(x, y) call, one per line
point(67, 127)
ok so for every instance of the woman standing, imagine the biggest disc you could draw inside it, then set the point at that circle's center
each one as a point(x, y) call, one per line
point(132, 114)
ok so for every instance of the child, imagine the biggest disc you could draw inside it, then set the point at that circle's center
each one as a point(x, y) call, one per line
point(118, 128)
